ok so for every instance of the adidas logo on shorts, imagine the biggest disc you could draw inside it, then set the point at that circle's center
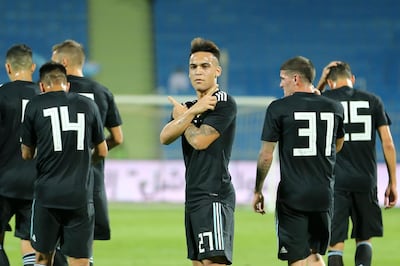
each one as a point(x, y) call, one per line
point(283, 250)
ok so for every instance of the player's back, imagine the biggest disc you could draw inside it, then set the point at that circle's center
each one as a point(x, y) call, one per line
point(16, 175)
point(356, 163)
point(305, 125)
point(66, 126)
point(101, 95)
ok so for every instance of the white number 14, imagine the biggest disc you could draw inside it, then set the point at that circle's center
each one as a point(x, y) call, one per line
point(62, 112)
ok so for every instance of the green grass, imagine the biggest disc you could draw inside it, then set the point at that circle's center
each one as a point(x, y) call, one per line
point(153, 235)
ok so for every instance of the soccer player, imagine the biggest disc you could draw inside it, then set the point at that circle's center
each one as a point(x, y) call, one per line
point(71, 54)
point(16, 175)
point(356, 166)
point(61, 129)
point(207, 128)
point(309, 131)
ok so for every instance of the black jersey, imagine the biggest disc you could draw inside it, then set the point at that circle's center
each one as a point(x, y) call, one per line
point(64, 127)
point(356, 162)
point(207, 175)
point(108, 111)
point(16, 175)
point(306, 127)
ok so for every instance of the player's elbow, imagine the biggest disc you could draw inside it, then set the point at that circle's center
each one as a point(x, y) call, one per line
point(27, 153)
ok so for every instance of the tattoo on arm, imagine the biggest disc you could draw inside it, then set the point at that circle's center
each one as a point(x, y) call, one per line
point(192, 131)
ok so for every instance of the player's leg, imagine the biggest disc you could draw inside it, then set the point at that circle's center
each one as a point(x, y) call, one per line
point(363, 254)
point(212, 234)
point(340, 226)
point(5, 215)
point(319, 230)
point(23, 216)
point(293, 236)
point(3, 256)
point(78, 235)
point(44, 233)
point(59, 258)
point(102, 229)
point(367, 224)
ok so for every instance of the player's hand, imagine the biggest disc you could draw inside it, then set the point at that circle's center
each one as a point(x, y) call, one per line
point(178, 108)
point(258, 203)
point(205, 103)
point(390, 196)
point(325, 72)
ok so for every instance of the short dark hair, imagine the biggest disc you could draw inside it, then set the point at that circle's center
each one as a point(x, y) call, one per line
point(341, 70)
point(19, 57)
point(201, 45)
point(52, 72)
point(301, 65)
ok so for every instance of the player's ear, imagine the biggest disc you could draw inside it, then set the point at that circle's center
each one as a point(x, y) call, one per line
point(353, 79)
point(67, 87)
point(8, 68)
point(33, 67)
point(42, 86)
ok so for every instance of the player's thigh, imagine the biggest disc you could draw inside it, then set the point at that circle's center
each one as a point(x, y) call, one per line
point(23, 217)
point(45, 228)
point(367, 216)
point(7, 211)
point(78, 232)
point(293, 235)
point(319, 229)
point(102, 221)
point(210, 231)
point(342, 205)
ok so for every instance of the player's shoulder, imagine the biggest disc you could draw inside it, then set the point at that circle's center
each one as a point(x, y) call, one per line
point(79, 84)
point(223, 96)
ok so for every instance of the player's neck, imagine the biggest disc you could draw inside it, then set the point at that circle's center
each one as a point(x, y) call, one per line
point(75, 72)
point(21, 75)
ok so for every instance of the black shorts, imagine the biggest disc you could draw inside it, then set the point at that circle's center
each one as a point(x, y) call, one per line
point(364, 211)
point(72, 229)
point(209, 232)
point(22, 209)
point(299, 232)
point(102, 221)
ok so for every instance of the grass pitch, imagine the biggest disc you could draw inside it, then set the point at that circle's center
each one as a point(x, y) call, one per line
point(153, 235)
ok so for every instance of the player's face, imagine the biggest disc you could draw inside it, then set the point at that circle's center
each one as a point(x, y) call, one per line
point(203, 71)
point(287, 82)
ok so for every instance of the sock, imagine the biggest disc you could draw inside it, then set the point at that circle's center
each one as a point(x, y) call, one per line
point(363, 255)
point(59, 258)
point(335, 258)
point(3, 257)
point(91, 261)
point(29, 259)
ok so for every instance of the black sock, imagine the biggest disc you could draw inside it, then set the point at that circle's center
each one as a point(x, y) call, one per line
point(59, 258)
point(335, 258)
point(363, 255)
point(3, 257)
point(29, 259)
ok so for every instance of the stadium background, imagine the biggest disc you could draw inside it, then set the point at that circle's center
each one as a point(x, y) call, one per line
point(134, 46)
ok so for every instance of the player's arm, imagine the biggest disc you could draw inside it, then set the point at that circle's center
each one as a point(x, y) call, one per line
point(100, 151)
point(28, 153)
point(183, 117)
point(322, 81)
point(201, 137)
point(339, 144)
point(115, 137)
point(264, 162)
point(389, 152)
